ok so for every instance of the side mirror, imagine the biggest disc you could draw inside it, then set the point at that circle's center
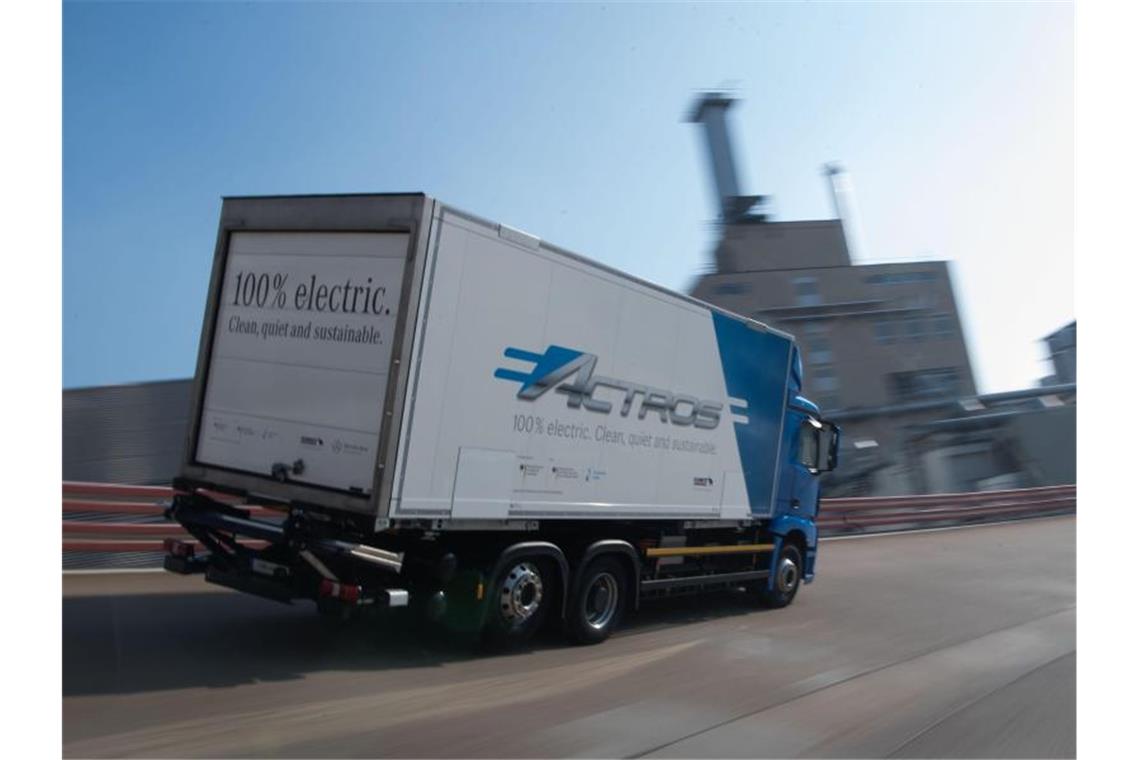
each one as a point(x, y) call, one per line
point(829, 446)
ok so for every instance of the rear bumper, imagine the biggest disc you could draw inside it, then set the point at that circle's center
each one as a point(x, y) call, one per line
point(249, 583)
point(283, 561)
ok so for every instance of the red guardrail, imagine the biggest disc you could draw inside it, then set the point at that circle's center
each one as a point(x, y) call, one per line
point(105, 505)
point(101, 508)
point(855, 514)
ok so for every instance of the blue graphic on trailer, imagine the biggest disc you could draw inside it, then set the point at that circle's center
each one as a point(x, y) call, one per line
point(550, 368)
point(558, 363)
point(755, 367)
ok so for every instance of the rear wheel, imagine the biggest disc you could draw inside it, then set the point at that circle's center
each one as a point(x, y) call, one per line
point(598, 601)
point(520, 599)
point(789, 570)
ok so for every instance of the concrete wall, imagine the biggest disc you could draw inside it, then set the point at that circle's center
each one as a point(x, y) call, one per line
point(125, 433)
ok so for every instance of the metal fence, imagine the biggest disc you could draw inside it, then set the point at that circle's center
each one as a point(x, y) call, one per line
point(118, 526)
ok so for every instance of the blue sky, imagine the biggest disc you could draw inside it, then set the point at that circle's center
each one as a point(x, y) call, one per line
point(955, 121)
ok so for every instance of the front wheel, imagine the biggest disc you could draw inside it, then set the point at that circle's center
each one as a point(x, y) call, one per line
point(789, 570)
point(598, 601)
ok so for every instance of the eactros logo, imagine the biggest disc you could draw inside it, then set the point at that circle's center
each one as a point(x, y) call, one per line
point(557, 364)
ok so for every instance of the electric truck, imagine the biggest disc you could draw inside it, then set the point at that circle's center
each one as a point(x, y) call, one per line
point(398, 403)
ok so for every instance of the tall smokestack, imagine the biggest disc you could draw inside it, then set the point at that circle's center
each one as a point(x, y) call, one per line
point(843, 203)
point(833, 171)
point(711, 110)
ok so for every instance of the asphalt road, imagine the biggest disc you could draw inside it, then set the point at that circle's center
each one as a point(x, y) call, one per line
point(957, 643)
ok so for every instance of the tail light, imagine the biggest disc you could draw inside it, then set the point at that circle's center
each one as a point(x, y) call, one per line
point(346, 592)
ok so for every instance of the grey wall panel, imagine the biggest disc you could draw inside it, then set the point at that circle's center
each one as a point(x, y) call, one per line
point(125, 433)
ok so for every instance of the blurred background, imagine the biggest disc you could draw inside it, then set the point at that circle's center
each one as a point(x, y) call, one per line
point(890, 184)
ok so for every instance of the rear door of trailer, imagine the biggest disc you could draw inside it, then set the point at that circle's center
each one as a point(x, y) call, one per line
point(300, 373)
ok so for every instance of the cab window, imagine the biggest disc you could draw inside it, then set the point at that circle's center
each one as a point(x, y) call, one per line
point(809, 445)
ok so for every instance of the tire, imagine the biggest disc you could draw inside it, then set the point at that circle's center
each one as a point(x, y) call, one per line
point(789, 572)
point(519, 601)
point(597, 601)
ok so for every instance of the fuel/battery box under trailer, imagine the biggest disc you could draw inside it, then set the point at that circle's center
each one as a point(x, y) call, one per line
point(447, 412)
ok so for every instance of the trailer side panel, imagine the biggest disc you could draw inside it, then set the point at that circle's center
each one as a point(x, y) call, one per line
point(548, 387)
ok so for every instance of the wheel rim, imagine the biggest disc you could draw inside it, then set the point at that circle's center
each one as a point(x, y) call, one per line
point(787, 575)
point(601, 601)
point(521, 593)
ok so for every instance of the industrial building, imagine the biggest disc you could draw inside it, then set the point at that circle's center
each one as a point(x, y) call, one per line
point(1062, 347)
point(882, 345)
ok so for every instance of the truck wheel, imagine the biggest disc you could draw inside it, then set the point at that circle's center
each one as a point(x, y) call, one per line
point(789, 570)
point(598, 601)
point(519, 599)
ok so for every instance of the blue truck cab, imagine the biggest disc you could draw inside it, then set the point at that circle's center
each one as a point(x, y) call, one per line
point(811, 447)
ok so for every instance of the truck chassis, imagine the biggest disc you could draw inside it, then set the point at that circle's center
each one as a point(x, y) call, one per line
point(503, 584)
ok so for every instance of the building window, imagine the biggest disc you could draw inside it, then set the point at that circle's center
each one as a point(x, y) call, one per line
point(944, 325)
point(806, 290)
point(824, 379)
point(884, 331)
point(816, 345)
point(818, 351)
point(915, 328)
point(925, 384)
point(731, 288)
point(899, 278)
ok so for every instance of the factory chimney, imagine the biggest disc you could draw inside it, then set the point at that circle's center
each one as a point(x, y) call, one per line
point(843, 203)
point(711, 110)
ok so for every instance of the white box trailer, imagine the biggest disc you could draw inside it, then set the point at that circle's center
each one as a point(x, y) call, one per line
point(386, 370)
